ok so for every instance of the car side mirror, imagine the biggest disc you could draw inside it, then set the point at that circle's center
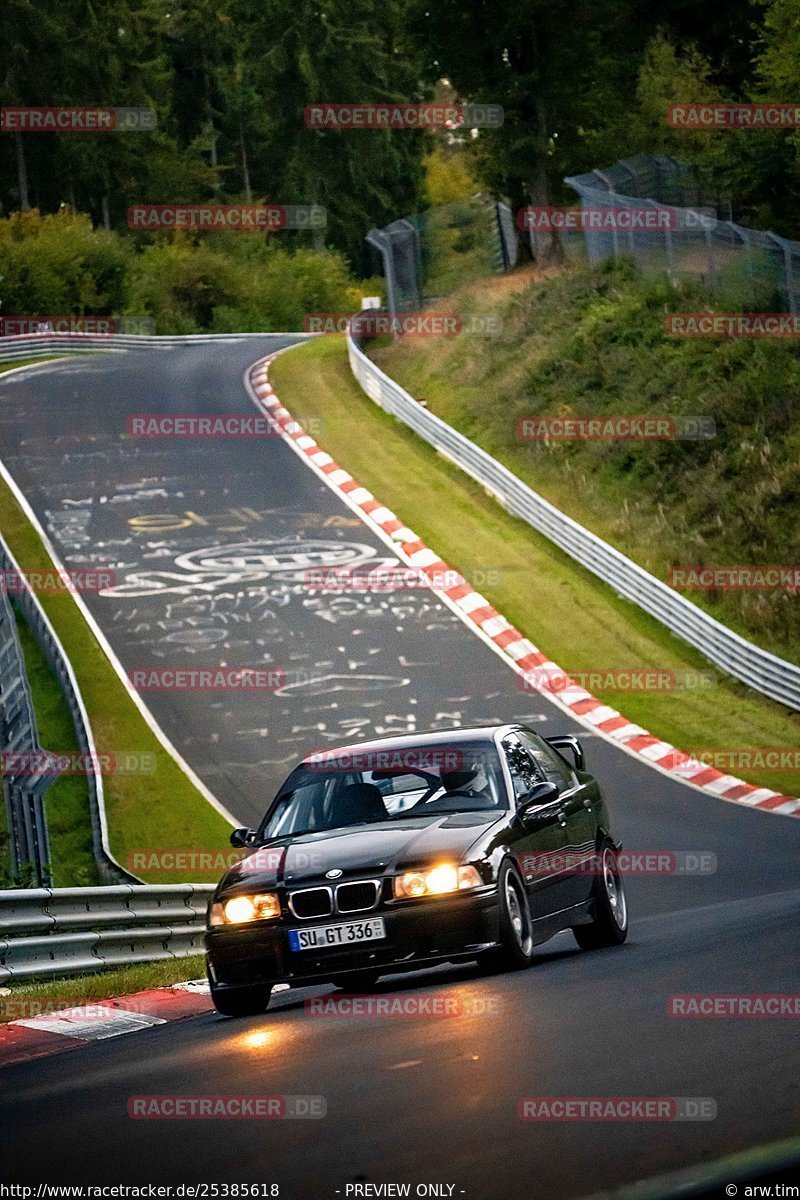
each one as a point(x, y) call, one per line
point(543, 793)
point(243, 838)
point(566, 741)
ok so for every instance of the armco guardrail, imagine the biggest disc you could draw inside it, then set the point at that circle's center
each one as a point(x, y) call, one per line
point(42, 630)
point(765, 672)
point(46, 932)
point(36, 345)
point(23, 789)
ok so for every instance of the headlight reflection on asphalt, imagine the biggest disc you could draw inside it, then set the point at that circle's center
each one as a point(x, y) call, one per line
point(258, 1039)
point(262, 1041)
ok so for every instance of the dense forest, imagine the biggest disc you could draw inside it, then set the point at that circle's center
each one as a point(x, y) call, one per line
point(581, 85)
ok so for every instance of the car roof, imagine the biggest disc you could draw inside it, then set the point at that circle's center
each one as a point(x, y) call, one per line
point(440, 737)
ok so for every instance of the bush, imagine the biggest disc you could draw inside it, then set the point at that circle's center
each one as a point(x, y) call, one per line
point(223, 283)
point(181, 284)
point(279, 288)
point(59, 264)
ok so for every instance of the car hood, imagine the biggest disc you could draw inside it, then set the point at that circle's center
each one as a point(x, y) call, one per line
point(376, 849)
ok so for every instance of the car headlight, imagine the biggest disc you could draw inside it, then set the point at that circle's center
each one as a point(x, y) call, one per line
point(437, 881)
point(242, 909)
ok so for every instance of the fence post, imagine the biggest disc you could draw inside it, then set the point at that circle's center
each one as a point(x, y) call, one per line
point(788, 273)
point(378, 240)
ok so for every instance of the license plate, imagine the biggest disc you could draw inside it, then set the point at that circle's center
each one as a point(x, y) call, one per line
point(350, 934)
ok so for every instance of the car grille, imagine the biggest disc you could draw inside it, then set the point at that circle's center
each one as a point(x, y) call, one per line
point(311, 902)
point(357, 897)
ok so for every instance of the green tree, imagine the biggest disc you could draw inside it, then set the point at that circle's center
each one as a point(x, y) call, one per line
point(553, 88)
point(302, 52)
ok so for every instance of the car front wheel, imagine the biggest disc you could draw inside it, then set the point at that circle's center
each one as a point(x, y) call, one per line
point(516, 930)
point(241, 1001)
point(610, 924)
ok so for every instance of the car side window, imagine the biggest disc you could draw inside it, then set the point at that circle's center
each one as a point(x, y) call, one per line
point(525, 773)
point(552, 766)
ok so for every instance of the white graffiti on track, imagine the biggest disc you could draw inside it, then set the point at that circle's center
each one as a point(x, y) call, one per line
point(216, 567)
point(70, 529)
point(323, 685)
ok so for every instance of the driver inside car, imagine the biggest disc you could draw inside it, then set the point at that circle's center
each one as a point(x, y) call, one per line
point(469, 781)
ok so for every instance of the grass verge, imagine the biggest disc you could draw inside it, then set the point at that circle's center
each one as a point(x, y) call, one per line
point(564, 609)
point(589, 342)
point(21, 1000)
point(23, 362)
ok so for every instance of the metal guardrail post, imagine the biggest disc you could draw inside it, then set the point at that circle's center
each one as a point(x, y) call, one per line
point(377, 239)
point(506, 236)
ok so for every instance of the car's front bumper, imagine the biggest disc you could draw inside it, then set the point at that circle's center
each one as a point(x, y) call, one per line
point(418, 932)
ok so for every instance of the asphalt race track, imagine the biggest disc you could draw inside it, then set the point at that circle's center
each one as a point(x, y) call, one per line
point(209, 541)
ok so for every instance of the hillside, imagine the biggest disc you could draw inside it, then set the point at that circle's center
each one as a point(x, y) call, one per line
point(584, 342)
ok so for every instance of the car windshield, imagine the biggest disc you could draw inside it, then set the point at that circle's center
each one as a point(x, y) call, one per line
point(338, 789)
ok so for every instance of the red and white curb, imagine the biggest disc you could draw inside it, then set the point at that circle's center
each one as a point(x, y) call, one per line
point(492, 626)
point(56, 1029)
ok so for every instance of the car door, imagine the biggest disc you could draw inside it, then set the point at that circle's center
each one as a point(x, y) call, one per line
point(576, 799)
point(541, 841)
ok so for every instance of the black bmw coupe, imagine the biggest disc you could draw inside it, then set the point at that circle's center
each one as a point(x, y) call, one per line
point(392, 855)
